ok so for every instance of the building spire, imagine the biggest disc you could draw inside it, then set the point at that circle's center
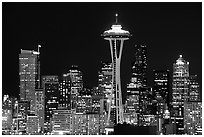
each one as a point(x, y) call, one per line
point(116, 18)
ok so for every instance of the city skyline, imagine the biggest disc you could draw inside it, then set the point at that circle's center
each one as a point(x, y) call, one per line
point(58, 93)
point(169, 30)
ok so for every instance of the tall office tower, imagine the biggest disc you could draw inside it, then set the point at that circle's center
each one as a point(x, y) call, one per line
point(161, 90)
point(194, 89)
point(137, 81)
point(40, 108)
point(132, 104)
point(139, 66)
point(65, 91)
point(161, 85)
point(51, 90)
point(105, 79)
point(29, 67)
point(179, 92)
point(75, 76)
point(193, 118)
point(116, 37)
point(62, 121)
point(147, 106)
point(21, 108)
point(105, 86)
point(84, 104)
point(7, 114)
point(32, 124)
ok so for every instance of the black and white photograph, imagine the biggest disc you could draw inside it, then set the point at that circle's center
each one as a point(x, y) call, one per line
point(101, 68)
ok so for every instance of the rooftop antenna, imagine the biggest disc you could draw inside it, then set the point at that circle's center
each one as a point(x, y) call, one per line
point(116, 18)
point(39, 46)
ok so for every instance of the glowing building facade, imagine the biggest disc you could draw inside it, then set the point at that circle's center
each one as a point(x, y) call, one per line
point(194, 89)
point(105, 79)
point(147, 106)
point(65, 91)
point(7, 114)
point(22, 109)
point(193, 118)
point(137, 82)
point(40, 108)
point(29, 67)
point(84, 104)
point(139, 66)
point(32, 127)
point(86, 124)
point(116, 37)
point(180, 91)
point(161, 85)
point(62, 120)
point(73, 83)
point(51, 89)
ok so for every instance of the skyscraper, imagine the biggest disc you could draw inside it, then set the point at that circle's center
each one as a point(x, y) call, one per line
point(139, 66)
point(51, 89)
point(193, 118)
point(29, 78)
point(65, 91)
point(105, 86)
point(161, 85)
point(22, 111)
point(40, 108)
point(74, 81)
point(105, 79)
point(194, 89)
point(179, 92)
point(161, 90)
point(7, 114)
point(116, 37)
point(137, 82)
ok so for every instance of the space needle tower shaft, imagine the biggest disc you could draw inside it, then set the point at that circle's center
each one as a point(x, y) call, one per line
point(116, 37)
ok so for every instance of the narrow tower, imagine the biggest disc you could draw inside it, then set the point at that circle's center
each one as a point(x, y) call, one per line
point(116, 37)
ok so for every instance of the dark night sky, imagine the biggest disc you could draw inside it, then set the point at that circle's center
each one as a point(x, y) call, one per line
point(70, 34)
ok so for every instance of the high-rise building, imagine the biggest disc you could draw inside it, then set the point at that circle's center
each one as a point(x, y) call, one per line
point(22, 109)
point(65, 91)
point(105, 79)
point(106, 86)
point(116, 37)
point(193, 118)
point(194, 89)
point(29, 67)
point(179, 92)
point(40, 108)
point(51, 90)
point(139, 66)
point(132, 104)
point(7, 114)
point(32, 126)
point(72, 87)
point(147, 105)
point(161, 85)
point(62, 121)
point(161, 90)
point(137, 82)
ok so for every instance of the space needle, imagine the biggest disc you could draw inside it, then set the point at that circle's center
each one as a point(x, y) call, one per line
point(116, 37)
